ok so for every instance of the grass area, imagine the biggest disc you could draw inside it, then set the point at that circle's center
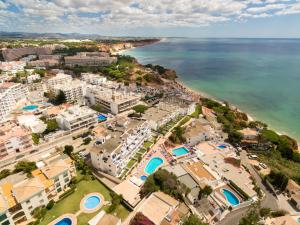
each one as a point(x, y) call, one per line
point(288, 167)
point(147, 144)
point(142, 150)
point(184, 120)
point(71, 204)
point(130, 163)
point(197, 112)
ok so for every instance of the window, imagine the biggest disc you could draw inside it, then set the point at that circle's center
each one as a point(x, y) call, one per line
point(58, 190)
point(42, 201)
point(65, 174)
point(30, 207)
point(56, 179)
point(28, 202)
point(67, 180)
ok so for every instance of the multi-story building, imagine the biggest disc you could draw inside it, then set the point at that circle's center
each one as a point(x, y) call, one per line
point(12, 67)
point(20, 195)
point(111, 100)
point(14, 140)
point(75, 118)
point(92, 78)
point(73, 91)
point(59, 79)
point(17, 53)
point(43, 63)
point(90, 59)
point(33, 77)
point(119, 143)
point(10, 95)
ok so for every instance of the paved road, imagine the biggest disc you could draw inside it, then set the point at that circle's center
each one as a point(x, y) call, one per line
point(234, 217)
point(269, 201)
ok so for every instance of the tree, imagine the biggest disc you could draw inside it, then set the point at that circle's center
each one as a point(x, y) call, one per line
point(97, 107)
point(87, 140)
point(4, 173)
point(140, 109)
point(206, 191)
point(51, 126)
point(60, 98)
point(251, 218)
point(50, 205)
point(264, 212)
point(35, 138)
point(25, 166)
point(116, 200)
point(68, 149)
point(193, 220)
point(177, 135)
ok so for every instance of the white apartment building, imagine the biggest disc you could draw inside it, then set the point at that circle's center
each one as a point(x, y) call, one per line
point(92, 78)
point(14, 140)
point(12, 67)
point(33, 77)
point(20, 195)
point(59, 79)
point(113, 101)
point(73, 91)
point(75, 118)
point(120, 142)
point(10, 95)
point(33, 123)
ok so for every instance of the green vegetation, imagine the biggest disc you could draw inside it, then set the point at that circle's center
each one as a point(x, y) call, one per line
point(177, 135)
point(4, 173)
point(51, 126)
point(25, 166)
point(166, 182)
point(97, 108)
point(140, 109)
point(115, 202)
point(130, 163)
point(147, 144)
point(277, 179)
point(204, 192)
point(73, 50)
point(58, 99)
point(35, 138)
point(87, 140)
point(68, 149)
point(193, 220)
point(197, 112)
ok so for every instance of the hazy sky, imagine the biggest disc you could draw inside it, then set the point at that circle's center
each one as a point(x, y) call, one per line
point(192, 18)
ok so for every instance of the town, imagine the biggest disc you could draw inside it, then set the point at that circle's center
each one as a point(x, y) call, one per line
point(90, 136)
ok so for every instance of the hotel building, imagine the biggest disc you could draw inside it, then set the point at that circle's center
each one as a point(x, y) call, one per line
point(10, 95)
point(73, 91)
point(119, 143)
point(90, 59)
point(92, 78)
point(59, 79)
point(75, 118)
point(20, 195)
point(111, 100)
point(17, 53)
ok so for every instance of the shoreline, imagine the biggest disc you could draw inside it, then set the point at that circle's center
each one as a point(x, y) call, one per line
point(202, 94)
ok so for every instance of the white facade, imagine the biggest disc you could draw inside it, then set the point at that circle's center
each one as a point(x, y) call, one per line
point(92, 78)
point(12, 67)
point(59, 79)
point(76, 117)
point(119, 147)
point(33, 77)
point(73, 91)
point(113, 101)
point(10, 95)
point(33, 123)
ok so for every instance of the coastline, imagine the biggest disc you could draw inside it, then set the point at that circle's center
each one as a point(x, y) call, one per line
point(205, 95)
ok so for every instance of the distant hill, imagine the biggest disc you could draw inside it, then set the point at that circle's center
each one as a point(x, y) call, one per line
point(22, 35)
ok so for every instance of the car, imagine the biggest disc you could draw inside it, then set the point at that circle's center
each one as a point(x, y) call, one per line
point(262, 165)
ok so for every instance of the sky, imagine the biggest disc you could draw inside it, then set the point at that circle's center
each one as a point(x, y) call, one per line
point(152, 18)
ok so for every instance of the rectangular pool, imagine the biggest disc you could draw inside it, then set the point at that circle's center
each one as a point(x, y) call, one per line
point(180, 151)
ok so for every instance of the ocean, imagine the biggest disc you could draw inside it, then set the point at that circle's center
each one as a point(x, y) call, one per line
point(259, 76)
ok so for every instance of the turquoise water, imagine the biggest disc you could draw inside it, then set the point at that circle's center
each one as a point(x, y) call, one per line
point(143, 178)
point(101, 118)
point(222, 146)
point(231, 198)
point(64, 221)
point(260, 76)
point(29, 107)
point(298, 220)
point(153, 164)
point(180, 151)
point(92, 202)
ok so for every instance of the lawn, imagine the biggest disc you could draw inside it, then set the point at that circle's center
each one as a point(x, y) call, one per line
point(147, 144)
point(142, 150)
point(71, 203)
point(130, 163)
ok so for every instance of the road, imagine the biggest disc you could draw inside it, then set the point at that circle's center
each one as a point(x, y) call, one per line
point(269, 200)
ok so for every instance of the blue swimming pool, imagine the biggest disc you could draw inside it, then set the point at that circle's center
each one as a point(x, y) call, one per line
point(180, 151)
point(222, 146)
point(143, 178)
point(101, 118)
point(231, 198)
point(64, 221)
point(298, 220)
point(29, 107)
point(92, 202)
point(153, 164)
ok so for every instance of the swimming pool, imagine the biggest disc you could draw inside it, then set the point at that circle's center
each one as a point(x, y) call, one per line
point(29, 107)
point(143, 178)
point(153, 164)
point(298, 220)
point(92, 202)
point(64, 221)
point(101, 118)
point(222, 146)
point(180, 151)
point(231, 198)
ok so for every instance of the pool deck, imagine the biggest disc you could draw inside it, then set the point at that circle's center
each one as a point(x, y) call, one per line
point(86, 210)
point(72, 217)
